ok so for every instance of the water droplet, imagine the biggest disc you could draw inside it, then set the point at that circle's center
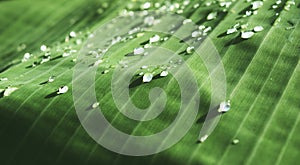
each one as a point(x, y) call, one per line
point(247, 35)
point(248, 13)
point(232, 30)
point(45, 59)
point(186, 21)
point(138, 51)
point(72, 34)
point(63, 89)
point(9, 90)
point(149, 20)
point(224, 106)
point(105, 71)
point(4, 79)
point(98, 62)
point(212, 15)
point(190, 49)
point(146, 5)
point(155, 38)
point(196, 34)
point(164, 73)
point(95, 105)
point(203, 138)
point(51, 79)
point(207, 30)
point(257, 5)
point(147, 77)
point(78, 41)
point(144, 67)
point(196, 5)
point(274, 6)
point(235, 141)
point(258, 28)
point(43, 48)
point(26, 57)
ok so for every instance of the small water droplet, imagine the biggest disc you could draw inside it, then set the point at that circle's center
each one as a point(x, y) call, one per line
point(43, 48)
point(155, 38)
point(147, 77)
point(256, 5)
point(95, 105)
point(72, 34)
point(212, 15)
point(196, 34)
point(9, 90)
point(63, 89)
point(203, 138)
point(26, 57)
point(51, 79)
point(190, 49)
point(138, 51)
point(164, 73)
point(186, 21)
point(235, 141)
point(224, 106)
point(258, 28)
point(146, 5)
point(3, 79)
point(232, 30)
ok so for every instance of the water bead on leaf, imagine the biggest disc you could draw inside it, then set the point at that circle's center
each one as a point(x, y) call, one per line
point(190, 49)
point(203, 138)
point(224, 106)
point(72, 34)
point(164, 73)
point(147, 77)
point(95, 105)
point(155, 38)
point(63, 89)
point(256, 5)
point(247, 34)
point(51, 79)
point(258, 28)
point(3, 79)
point(9, 90)
point(212, 15)
point(230, 31)
point(235, 141)
point(138, 51)
point(43, 48)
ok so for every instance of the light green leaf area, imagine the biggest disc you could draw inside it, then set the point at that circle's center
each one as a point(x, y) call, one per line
point(37, 126)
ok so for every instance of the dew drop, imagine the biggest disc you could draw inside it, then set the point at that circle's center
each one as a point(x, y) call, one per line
point(257, 5)
point(146, 5)
point(155, 38)
point(212, 15)
point(203, 138)
point(186, 21)
point(235, 141)
point(147, 77)
point(224, 106)
point(258, 28)
point(232, 30)
point(138, 51)
point(43, 48)
point(9, 90)
point(72, 34)
point(4, 79)
point(247, 35)
point(51, 79)
point(63, 89)
point(190, 49)
point(26, 57)
point(164, 73)
point(95, 105)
